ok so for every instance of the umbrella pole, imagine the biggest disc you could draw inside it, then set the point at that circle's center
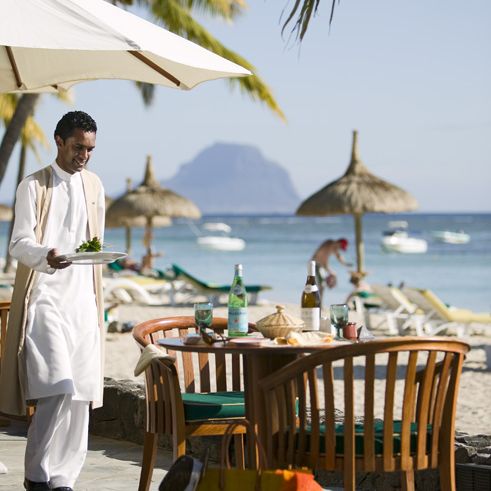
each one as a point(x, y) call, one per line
point(360, 248)
point(148, 243)
point(128, 240)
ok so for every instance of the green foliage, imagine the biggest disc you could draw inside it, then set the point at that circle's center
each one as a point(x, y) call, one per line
point(92, 245)
point(177, 17)
point(304, 10)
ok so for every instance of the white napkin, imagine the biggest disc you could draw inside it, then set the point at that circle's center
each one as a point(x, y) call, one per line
point(308, 338)
point(148, 354)
point(3, 468)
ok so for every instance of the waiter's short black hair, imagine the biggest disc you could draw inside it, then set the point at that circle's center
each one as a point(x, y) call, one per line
point(72, 121)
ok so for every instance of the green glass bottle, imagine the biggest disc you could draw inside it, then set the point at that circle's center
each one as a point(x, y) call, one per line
point(237, 305)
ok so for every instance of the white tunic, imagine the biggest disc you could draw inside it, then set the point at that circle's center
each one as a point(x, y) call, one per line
point(62, 333)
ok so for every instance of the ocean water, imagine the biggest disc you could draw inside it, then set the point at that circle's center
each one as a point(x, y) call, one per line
point(278, 248)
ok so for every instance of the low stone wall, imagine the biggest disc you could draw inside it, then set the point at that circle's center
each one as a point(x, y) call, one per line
point(123, 417)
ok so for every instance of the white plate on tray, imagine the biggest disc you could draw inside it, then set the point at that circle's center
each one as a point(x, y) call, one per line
point(249, 341)
point(94, 257)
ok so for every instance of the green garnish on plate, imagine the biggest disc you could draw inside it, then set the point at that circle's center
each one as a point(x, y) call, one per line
point(92, 245)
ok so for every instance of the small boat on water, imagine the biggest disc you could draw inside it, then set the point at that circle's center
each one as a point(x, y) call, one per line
point(217, 227)
point(400, 241)
point(451, 237)
point(221, 241)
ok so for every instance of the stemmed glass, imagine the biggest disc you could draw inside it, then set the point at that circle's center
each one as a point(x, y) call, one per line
point(203, 316)
point(339, 318)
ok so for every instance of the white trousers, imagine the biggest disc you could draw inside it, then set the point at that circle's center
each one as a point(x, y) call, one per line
point(57, 440)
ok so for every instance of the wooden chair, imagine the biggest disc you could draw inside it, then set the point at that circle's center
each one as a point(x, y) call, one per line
point(175, 412)
point(4, 316)
point(406, 426)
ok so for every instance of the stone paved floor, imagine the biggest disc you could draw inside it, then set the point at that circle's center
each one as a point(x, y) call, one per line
point(111, 465)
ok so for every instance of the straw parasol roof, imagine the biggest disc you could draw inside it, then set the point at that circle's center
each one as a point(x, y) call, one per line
point(357, 192)
point(150, 202)
point(5, 213)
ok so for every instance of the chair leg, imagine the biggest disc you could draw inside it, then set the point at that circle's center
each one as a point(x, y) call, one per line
point(178, 444)
point(407, 481)
point(446, 468)
point(239, 451)
point(148, 461)
point(349, 477)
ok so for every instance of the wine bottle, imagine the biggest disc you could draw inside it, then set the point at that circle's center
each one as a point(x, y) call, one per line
point(237, 305)
point(311, 300)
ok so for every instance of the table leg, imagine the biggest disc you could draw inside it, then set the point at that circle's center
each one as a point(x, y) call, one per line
point(257, 366)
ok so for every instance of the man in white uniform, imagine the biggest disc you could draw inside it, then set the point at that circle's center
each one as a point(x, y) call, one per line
point(61, 328)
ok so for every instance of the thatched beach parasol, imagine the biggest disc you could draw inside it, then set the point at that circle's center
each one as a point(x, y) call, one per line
point(357, 192)
point(115, 221)
point(150, 201)
point(5, 213)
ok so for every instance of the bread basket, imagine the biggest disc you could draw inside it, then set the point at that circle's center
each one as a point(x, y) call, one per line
point(279, 324)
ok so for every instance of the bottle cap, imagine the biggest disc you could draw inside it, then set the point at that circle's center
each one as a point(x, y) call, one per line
point(238, 268)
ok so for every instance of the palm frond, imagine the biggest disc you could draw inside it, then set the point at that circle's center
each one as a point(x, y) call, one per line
point(179, 21)
point(303, 11)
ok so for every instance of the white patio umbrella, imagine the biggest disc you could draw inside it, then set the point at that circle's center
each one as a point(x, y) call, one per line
point(46, 45)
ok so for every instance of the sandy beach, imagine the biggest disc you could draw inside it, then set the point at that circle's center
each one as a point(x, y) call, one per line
point(474, 397)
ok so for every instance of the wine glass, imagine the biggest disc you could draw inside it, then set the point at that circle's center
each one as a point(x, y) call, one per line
point(203, 316)
point(339, 318)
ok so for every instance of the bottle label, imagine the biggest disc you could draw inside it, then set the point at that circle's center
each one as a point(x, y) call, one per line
point(311, 288)
point(237, 289)
point(311, 317)
point(237, 321)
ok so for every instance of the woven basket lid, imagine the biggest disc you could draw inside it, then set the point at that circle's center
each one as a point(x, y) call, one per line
point(280, 319)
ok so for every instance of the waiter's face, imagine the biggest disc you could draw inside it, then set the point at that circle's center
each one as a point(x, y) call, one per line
point(75, 151)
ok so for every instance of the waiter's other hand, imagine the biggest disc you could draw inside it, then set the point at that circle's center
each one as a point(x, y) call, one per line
point(56, 261)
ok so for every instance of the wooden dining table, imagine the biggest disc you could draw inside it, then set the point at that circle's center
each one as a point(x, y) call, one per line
point(259, 360)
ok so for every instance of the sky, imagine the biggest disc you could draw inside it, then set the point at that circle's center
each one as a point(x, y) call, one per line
point(414, 78)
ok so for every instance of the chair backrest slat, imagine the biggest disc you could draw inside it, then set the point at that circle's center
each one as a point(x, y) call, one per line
point(221, 372)
point(423, 407)
point(301, 445)
point(408, 403)
point(349, 420)
point(236, 373)
point(441, 391)
point(291, 392)
point(390, 386)
point(204, 372)
point(368, 412)
point(329, 418)
point(314, 418)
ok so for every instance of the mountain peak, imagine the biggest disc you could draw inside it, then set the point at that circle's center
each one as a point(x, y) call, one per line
point(235, 178)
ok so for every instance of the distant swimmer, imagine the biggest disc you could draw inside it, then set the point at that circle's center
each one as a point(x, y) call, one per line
point(325, 275)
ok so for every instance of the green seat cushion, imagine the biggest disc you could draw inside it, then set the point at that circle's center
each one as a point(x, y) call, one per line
point(379, 439)
point(213, 405)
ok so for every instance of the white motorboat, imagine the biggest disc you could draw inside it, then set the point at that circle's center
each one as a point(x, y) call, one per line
point(221, 240)
point(221, 243)
point(400, 241)
point(450, 237)
point(217, 227)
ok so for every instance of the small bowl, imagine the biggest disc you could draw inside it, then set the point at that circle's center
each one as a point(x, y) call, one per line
point(279, 324)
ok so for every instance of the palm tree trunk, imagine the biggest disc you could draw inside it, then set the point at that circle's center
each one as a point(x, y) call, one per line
point(24, 108)
point(20, 176)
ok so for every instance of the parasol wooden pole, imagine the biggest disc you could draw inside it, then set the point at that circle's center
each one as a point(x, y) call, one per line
point(147, 241)
point(127, 227)
point(360, 248)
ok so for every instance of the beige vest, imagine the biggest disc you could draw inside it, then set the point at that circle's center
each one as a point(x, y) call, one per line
point(12, 372)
